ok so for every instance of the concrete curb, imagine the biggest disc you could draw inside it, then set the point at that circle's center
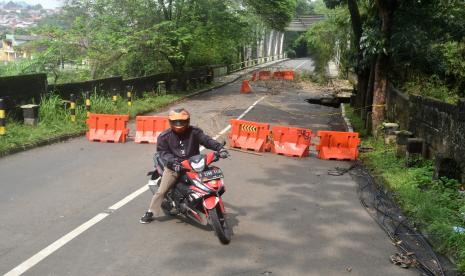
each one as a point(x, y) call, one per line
point(346, 120)
point(66, 137)
point(41, 143)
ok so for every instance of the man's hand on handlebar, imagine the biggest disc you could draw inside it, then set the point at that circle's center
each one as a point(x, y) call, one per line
point(223, 153)
point(177, 167)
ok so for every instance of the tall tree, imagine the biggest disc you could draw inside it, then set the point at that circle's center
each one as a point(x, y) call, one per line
point(386, 10)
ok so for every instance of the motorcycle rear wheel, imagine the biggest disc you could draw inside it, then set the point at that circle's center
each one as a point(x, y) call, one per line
point(220, 225)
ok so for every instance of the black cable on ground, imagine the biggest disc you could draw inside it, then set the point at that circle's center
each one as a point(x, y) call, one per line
point(388, 218)
point(393, 236)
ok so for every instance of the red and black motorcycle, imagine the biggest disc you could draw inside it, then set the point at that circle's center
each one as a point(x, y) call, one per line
point(197, 194)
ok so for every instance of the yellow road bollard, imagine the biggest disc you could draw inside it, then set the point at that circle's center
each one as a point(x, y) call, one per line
point(88, 103)
point(129, 96)
point(73, 107)
point(2, 118)
point(114, 98)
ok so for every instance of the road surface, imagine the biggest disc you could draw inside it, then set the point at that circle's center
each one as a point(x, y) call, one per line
point(73, 208)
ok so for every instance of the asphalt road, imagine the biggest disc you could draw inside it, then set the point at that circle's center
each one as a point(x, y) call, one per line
point(288, 215)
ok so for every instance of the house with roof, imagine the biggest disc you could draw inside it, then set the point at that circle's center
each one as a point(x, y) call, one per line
point(10, 50)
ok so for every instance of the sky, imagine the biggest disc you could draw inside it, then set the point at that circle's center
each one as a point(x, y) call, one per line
point(48, 4)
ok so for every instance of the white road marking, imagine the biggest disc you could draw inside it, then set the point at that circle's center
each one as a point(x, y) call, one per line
point(301, 65)
point(250, 108)
point(127, 199)
point(222, 132)
point(240, 117)
point(44, 253)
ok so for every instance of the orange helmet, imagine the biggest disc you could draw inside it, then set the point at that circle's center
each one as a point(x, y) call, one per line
point(179, 120)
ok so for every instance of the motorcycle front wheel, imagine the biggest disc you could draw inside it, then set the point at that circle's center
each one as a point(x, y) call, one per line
point(220, 225)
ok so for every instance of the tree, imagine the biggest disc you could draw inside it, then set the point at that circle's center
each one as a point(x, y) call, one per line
point(277, 14)
point(327, 37)
point(122, 34)
point(386, 10)
point(304, 7)
point(379, 73)
point(361, 67)
point(141, 37)
point(172, 43)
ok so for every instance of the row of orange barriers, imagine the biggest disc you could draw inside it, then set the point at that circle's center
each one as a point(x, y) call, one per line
point(283, 75)
point(277, 75)
point(293, 141)
point(246, 135)
point(113, 128)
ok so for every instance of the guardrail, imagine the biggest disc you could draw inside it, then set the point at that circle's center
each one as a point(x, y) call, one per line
point(16, 90)
point(253, 62)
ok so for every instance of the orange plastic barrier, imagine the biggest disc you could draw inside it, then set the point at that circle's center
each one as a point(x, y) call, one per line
point(245, 88)
point(338, 145)
point(291, 141)
point(278, 75)
point(254, 76)
point(148, 128)
point(264, 75)
point(288, 75)
point(107, 128)
point(249, 135)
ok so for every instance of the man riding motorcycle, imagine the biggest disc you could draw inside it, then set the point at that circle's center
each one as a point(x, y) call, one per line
point(175, 145)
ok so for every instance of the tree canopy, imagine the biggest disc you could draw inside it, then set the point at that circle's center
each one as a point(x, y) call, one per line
point(418, 46)
point(141, 37)
point(277, 13)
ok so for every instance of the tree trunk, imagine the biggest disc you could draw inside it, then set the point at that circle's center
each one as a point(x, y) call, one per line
point(379, 91)
point(170, 9)
point(362, 84)
point(242, 56)
point(177, 67)
point(163, 8)
point(356, 22)
point(360, 70)
point(370, 85)
point(386, 12)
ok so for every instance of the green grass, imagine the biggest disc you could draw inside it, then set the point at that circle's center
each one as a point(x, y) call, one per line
point(55, 118)
point(356, 121)
point(435, 206)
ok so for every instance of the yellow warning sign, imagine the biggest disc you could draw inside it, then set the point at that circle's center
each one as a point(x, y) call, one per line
point(249, 128)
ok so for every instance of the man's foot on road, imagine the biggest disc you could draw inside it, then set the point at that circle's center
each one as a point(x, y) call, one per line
point(147, 218)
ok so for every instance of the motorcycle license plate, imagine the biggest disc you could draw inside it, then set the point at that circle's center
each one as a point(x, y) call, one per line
point(212, 174)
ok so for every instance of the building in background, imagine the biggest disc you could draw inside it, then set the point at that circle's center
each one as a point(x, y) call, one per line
point(10, 50)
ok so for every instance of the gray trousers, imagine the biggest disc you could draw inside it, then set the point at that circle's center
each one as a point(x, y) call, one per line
point(168, 179)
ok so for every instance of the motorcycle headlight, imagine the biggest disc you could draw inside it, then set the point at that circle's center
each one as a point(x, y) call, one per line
point(198, 167)
point(201, 186)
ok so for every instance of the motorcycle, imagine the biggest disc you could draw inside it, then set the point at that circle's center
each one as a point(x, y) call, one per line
point(197, 193)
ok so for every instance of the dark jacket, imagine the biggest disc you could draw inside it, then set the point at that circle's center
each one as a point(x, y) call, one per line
point(177, 148)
